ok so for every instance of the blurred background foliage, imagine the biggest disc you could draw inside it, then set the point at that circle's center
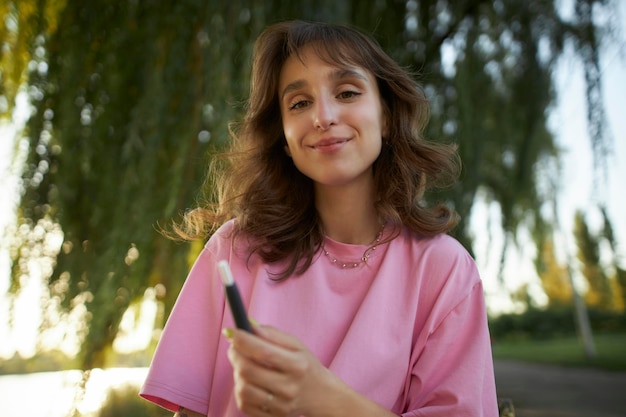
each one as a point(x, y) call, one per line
point(128, 99)
point(124, 401)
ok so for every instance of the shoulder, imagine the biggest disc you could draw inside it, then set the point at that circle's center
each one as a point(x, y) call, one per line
point(440, 265)
point(226, 230)
point(227, 242)
point(221, 238)
point(441, 243)
point(441, 249)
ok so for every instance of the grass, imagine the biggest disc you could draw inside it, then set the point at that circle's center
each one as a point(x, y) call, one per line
point(567, 351)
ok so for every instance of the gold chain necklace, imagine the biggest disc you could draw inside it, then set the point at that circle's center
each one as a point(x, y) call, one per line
point(364, 258)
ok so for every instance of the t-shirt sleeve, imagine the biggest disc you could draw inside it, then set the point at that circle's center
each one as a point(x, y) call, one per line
point(453, 375)
point(451, 366)
point(183, 367)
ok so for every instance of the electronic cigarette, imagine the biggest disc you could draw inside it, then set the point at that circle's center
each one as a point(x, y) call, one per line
point(233, 297)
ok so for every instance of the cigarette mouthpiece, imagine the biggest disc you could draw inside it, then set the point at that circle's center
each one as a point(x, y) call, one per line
point(225, 272)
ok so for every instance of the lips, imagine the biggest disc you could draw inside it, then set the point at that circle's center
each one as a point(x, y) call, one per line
point(329, 144)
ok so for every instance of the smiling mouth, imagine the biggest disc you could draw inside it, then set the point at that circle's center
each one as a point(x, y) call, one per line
point(329, 144)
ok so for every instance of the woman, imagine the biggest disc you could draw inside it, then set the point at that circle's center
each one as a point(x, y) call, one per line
point(368, 307)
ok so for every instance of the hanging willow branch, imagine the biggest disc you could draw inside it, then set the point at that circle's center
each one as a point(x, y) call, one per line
point(588, 50)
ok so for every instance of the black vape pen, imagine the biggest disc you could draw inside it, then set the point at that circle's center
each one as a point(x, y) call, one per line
point(233, 297)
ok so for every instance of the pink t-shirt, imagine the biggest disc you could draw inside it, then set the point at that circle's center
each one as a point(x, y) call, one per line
point(407, 330)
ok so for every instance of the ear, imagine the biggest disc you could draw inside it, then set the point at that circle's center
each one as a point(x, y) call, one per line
point(287, 151)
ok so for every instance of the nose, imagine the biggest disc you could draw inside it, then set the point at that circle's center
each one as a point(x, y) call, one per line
point(325, 114)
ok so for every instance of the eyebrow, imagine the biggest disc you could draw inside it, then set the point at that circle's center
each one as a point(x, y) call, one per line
point(339, 74)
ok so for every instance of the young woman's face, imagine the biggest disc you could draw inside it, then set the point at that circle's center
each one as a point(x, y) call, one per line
point(332, 119)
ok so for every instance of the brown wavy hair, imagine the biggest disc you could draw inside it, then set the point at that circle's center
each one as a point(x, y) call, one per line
point(257, 184)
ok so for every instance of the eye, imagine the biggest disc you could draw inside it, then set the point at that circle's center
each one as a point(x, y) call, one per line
point(298, 105)
point(348, 94)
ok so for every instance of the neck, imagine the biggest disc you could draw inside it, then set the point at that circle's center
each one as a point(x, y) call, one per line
point(348, 216)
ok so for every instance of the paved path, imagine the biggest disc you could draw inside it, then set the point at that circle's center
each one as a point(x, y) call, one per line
point(554, 391)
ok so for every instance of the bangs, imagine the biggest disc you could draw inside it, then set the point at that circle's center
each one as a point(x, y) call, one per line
point(338, 46)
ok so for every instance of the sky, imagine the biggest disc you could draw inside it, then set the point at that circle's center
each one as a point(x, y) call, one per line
point(578, 192)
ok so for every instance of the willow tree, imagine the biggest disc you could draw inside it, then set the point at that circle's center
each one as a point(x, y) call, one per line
point(604, 290)
point(619, 273)
point(554, 278)
point(130, 98)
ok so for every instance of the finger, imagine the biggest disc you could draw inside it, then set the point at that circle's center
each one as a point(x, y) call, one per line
point(252, 371)
point(255, 401)
point(263, 351)
point(276, 379)
point(255, 385)
point(278, 337)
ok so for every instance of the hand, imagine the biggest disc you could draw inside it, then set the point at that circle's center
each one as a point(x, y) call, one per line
point(275, 374)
